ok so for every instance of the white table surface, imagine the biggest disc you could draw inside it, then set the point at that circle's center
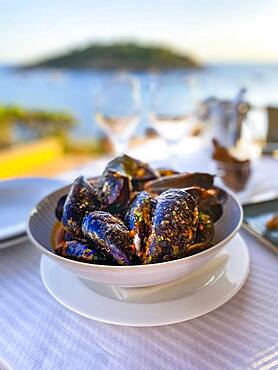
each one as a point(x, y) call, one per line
point(36, 332)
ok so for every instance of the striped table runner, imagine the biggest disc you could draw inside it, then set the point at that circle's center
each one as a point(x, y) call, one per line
point(36, 332)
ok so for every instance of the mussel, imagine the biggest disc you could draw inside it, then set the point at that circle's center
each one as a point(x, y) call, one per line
point(205, 229)
point(138, 219)
point(82, 199)
point(174, 226)
point(80, 251)
point(110, 235)
point(111, 220)
point(68, 237)
point(59, 210)
point(220, 194)
point(179, 181)
point(114, 190)
point(139, 172)
point(204, 235)
point(207, 202)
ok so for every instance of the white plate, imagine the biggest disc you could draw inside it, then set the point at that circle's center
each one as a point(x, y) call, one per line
point(4, 365)
point(211, 287)
point(259, 191)
point(13, 241)
point(17, 197)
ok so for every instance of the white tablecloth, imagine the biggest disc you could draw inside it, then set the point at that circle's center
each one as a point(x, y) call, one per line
point(36, 332)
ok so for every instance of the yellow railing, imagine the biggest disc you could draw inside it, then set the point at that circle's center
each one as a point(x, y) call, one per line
point(25, 158)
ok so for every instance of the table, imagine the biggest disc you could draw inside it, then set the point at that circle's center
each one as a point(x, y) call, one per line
point(36, 332)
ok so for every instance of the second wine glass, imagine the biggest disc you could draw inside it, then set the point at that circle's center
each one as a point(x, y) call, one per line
point(118, 110)
point(172, 110)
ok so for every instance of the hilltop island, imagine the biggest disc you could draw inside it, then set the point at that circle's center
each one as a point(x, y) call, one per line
point(128, 56)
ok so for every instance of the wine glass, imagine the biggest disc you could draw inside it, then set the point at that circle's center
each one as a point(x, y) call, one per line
point(172, 110)
point(118, 110)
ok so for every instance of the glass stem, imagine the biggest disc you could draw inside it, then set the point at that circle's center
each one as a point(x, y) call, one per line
point(173, 157)
point(120, 145)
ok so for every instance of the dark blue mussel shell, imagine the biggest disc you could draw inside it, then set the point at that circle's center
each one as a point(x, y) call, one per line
point(59, 210)
point(173, 227)
point(82, 199)
point(68, 237)
point(110, 235)
point(138, 220)
point(80, 251)
point(139, 172)
point(115, 190)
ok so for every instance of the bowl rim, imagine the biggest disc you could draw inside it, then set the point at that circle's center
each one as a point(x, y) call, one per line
point(130, 267)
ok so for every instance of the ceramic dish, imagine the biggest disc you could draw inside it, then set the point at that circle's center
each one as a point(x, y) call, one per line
point(184, 299)
point(40, 228)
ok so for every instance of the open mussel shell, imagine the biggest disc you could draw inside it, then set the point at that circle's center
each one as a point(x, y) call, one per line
point(179, 181)
point(115, 190)
point(173, 227)
point(207, 202)
point(205, 229)
point(220, 194)
point(138, 219)
point(82, 199)
point(139, 172)
point(110, 235)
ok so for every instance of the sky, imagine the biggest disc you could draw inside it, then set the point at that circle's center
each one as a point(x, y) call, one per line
point(210, 30)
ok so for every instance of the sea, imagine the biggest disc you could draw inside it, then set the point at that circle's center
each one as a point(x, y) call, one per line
point(76, 91)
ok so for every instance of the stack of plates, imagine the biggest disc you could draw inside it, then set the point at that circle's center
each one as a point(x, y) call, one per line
point(17, 198)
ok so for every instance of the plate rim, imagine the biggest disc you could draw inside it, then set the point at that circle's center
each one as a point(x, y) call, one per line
point(96, 317)
point(13, 241)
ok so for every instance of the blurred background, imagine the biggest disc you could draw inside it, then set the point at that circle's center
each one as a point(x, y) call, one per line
point(84, 79)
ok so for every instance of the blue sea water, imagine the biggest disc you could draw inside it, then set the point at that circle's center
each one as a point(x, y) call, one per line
point(76, 91)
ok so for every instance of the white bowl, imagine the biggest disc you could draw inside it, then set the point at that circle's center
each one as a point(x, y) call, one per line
point(40, 228)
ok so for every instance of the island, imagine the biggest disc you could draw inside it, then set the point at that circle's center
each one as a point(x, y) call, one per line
point(127, 56)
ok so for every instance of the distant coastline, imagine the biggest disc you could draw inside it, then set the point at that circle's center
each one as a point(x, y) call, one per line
point(127, 56)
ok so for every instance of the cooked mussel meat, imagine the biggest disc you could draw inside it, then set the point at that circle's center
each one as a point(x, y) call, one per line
point(110, 235)
point(174, 226)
